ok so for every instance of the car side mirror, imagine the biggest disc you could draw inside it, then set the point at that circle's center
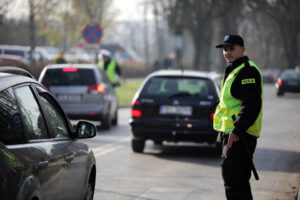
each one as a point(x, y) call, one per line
point(85, 129)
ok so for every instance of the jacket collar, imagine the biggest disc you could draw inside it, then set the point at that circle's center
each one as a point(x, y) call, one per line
point(235, 64)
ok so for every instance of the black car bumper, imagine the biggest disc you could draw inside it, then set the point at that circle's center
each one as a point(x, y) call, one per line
point(170, 130)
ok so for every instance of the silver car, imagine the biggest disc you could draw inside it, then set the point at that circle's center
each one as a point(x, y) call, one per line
point(83, 91)
point(40, 154)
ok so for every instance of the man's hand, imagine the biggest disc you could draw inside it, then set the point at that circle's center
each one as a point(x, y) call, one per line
point(231, 139)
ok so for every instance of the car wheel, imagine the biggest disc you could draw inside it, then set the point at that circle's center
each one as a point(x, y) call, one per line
point(219, 149)
point(138, 145)
point(106, 123)
point(115, 119)
point(89, 191)
point(157, 142)
point(280, 93)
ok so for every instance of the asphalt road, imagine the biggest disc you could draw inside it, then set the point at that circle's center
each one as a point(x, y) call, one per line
point(191, 171)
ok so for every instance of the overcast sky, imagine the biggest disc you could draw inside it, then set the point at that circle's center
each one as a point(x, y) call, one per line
point(127, 9)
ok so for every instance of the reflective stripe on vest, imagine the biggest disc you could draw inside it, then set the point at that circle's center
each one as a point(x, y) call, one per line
point(110, 71)
point(229, 106)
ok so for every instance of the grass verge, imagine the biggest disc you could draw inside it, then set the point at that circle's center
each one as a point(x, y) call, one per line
point(127, 90)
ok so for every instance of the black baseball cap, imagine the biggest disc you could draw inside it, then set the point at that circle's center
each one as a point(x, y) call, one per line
point(230, 40)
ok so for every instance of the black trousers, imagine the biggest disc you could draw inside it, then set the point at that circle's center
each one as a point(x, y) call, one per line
point(236, 171)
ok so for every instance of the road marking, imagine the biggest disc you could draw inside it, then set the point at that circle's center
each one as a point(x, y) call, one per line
point(166, 193)
point(108, 148)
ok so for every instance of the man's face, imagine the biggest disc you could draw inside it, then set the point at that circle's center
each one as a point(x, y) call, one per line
point(105, 58)
point(232, 53)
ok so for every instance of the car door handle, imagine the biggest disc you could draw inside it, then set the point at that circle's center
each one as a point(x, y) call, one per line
point(43, 164)
point(69, 158)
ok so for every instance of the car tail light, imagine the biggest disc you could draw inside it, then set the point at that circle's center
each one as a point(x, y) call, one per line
point(47, 87)
point(98, 88)
point(212, 116)
point(70, 69)
point(280, 83)
point(136, 110)
point(92, 113)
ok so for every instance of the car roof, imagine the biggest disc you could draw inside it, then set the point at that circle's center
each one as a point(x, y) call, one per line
point(185, 73)
point(7, 80)
point(71, 65)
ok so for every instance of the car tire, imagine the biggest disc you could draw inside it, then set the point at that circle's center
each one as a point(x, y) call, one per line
point(115, 119)
point(157, 142)
point(137, 145)
point(219, 149)
point(89, 193)
point(280, 93)
point(106, 123)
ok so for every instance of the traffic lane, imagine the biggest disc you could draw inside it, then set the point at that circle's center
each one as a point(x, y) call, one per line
point(159, 173)
point(277, 156)
point(123, 174)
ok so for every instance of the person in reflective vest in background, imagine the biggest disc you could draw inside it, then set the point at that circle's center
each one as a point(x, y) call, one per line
point(238, 117)
point(111, 67)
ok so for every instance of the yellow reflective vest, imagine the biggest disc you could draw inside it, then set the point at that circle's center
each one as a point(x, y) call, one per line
point(110, 71)
point(230, 106)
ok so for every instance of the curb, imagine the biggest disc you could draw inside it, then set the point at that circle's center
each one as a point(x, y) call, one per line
point(124, 106)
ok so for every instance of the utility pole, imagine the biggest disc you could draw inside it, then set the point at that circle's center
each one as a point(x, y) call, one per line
point(159, 37)
point(31, 29)
point(66, 27)
point(146, 34)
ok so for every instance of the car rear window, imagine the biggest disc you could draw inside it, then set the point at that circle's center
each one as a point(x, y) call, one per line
point(59, 77)
point(291, 75)
point(181, 86)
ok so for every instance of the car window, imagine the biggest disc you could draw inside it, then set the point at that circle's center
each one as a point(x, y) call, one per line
point(76, 76)
point(56, 119)
point(11, 126)
point(290, 75)
point(34, 122)
point(14, 52)
point(167, 86)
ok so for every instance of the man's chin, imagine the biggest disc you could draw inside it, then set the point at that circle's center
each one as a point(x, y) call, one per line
point(229, 60)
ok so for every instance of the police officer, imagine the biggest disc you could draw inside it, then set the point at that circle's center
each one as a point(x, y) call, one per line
point(60, 59)
point(112, 69)
point(238, 117)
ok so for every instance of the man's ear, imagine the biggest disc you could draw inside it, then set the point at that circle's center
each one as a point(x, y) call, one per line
point(243, 49)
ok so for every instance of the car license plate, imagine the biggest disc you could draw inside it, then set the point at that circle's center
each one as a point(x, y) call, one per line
point(175, 110)
point(67, 97)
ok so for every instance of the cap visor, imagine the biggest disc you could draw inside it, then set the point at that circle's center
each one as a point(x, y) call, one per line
point(225, 44)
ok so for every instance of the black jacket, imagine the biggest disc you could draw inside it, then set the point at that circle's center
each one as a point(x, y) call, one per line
point(249, 94)
point(118, 68)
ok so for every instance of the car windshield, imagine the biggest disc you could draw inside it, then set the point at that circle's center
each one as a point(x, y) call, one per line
point(177, 87)
point(58, 77)
point(291, 75)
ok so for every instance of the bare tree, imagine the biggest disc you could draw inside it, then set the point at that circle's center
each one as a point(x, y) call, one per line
point(31, 28)
point(3, 9)
point(284, 14)
point(199, 17)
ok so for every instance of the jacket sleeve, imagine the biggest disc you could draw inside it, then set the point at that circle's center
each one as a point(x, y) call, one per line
point(248, 89)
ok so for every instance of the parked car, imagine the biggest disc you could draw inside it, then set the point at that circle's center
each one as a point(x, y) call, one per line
point(84, 92)
point(270, 75)
point(40, 154)
point(288, 81)
point(39, 55)
point(175, 105)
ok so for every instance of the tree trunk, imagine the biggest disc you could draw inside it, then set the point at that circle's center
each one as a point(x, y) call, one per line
point(31, 29)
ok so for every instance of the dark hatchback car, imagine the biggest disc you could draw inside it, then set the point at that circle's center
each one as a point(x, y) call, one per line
point(288, 81)
point(174, 105)
point(83, 91)
point(40, 155)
